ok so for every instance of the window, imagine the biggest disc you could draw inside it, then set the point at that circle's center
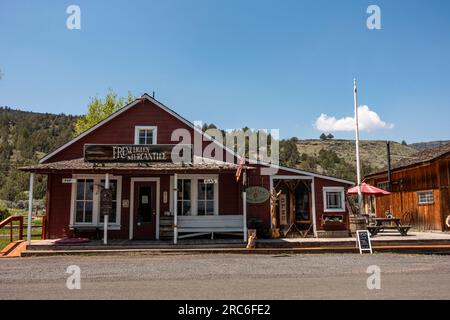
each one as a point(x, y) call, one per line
point(383, 185)
point(84, 201)
point(145, 135)
point(85, 204)
point(334, 199)
point(425, 197)
point(184, 197)
point(205, 198)
point(113, 188)
point(197, 195)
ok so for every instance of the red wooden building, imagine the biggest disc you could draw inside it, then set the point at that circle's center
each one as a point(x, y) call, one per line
point(167, 200)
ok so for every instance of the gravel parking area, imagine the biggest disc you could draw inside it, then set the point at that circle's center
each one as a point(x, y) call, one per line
point(227, 277)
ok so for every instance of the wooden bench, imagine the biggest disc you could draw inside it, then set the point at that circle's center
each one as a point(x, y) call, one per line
point(193, 226)
point(93, 229)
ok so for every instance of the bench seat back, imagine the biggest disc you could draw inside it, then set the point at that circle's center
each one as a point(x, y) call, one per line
point(223, 222)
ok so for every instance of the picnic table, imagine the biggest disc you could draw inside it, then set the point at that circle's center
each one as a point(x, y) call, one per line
point(383, 224)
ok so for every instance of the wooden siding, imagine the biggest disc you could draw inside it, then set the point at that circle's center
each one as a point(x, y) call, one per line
point(404, 202)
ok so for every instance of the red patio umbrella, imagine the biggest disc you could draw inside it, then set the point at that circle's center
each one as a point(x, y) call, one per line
point(368, 190)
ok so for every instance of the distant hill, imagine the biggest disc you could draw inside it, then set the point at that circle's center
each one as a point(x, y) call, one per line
point(372, 152)
point(335, 157)
point(421, 146)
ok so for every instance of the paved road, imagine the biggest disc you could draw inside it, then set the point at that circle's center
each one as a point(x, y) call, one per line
point(227, 277)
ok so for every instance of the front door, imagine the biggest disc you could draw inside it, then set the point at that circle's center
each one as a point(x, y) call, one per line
point(144, 210)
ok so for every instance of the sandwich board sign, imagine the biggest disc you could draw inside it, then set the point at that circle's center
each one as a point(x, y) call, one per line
point(363, 241)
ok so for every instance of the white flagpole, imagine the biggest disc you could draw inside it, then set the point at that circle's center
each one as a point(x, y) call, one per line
point(358, 167)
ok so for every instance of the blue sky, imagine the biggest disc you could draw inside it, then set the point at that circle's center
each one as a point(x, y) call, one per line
point(264, 64)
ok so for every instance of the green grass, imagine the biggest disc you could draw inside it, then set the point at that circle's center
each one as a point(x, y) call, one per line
point(36, 232)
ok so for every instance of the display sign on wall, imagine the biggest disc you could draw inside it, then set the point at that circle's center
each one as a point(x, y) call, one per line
point(136, 153)
point(283, 210)
point(257, 195)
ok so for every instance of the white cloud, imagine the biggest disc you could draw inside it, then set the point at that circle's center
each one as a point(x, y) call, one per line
point(368, 121)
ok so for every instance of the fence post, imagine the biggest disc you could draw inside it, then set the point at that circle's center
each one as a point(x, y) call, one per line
point(11, 231)
point(20, 227)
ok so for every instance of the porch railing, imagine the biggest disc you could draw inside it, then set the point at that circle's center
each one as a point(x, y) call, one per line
point(9, 221)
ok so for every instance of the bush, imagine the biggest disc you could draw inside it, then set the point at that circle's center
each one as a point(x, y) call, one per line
point(4, 213)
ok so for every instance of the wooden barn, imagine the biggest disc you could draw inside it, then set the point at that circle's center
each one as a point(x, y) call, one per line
point(420, 189)
point(150, 197)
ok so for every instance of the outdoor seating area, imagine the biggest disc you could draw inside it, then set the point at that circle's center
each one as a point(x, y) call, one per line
point(386, 224)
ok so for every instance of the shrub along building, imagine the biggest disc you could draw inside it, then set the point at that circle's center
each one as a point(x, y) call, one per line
point(151, 197)
point(420, 189)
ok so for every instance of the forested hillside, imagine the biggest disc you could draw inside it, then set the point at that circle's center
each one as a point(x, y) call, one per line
point(24, 138)
point(337, 158)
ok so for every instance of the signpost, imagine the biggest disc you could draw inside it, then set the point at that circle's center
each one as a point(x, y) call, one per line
point(363, 241)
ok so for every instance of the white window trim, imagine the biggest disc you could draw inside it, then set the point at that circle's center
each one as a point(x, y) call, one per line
point(96, 201)
point(334, 189)
point(136, 133)
point(379, 184)
point(426, 202)
point(194, 191)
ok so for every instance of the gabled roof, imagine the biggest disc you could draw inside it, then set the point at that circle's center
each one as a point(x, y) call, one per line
point(419, 158)
point(124, 109)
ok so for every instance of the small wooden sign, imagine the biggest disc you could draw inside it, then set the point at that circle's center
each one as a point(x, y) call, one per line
point(210, 181)
point(257, 195)
point(69, 180)
point(106, 202)
point(363, 241)
point(283, 210)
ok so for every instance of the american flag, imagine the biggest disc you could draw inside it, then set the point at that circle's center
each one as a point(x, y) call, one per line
point(239, 169)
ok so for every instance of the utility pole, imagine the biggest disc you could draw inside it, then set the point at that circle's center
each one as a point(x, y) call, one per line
point(358, 167)
point(388, 147)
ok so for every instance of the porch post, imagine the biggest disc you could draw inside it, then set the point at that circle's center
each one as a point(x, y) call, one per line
point(175, 213)
point(244, 206)
point(30, 209)
point(313, 200)
point(106, 217)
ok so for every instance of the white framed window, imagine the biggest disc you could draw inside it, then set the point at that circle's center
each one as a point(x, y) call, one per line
point(425, 197)
point(85, 203)
point(197, 195)
point(334, 199)
point(383, 185)
point(184, 202)
point(145, 135)
point(205, 197)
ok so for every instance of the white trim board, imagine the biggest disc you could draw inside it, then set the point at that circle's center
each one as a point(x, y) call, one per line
point(132, 181)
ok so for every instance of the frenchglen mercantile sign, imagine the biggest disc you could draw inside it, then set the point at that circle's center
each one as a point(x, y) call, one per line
point(134, 153)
